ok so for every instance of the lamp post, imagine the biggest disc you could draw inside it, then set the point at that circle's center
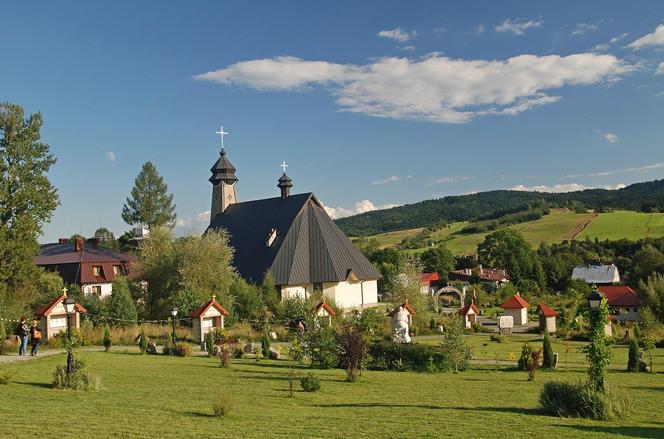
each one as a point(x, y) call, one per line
point(174, 313)
point(70, 308)
point(598, 352)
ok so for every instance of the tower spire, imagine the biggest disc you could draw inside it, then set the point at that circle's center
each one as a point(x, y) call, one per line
point(223, 181)
point(285, 183)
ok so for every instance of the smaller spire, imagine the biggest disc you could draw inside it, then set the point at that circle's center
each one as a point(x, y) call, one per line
point(285, 183)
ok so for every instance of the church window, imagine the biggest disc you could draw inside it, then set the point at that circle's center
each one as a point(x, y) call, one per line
point(271, 237)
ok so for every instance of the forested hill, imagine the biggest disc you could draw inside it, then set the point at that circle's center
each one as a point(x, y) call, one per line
point(642, 197)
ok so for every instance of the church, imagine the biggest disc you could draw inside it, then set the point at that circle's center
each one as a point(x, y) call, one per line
point(293, 238)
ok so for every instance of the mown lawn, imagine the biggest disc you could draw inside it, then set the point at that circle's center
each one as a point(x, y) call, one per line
point(623, 224)
point(158, 396)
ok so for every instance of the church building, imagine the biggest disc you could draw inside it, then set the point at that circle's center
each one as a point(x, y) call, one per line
point(293, 238)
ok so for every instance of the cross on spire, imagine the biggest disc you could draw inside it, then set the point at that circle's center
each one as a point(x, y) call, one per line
point(222, 133)
point(283, 165)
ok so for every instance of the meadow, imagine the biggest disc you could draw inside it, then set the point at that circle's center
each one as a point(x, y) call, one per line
point(161, 396)
point(559, 225)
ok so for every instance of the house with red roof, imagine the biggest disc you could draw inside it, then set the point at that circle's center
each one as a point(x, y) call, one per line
point(496, 277)
point(323, 310)
point(469, 314)
point(429, 282)
point(547, 318)
point(53, 317)
point(207, 317)
point(517, 307)
point(85, 263)
point(623, 302)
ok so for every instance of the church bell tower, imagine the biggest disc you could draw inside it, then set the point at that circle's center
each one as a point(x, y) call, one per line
point(223, 182)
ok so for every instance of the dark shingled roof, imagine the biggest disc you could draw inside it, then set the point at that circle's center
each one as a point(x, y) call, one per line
point(222, 169)
point(308, 247)
point(53, 254)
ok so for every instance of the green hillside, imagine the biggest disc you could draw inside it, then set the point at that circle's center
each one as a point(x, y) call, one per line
point(559, 225)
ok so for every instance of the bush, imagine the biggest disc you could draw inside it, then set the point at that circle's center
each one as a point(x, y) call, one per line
point(582, 400)
point(412, 356)
point(352, 348)
point(310, 383)
point(498, 338)
point(265, 345)
point(80, 379)
point(547, 353)
point(142, 341)
point(107, 338)
point(526, 353)
point(633, 356)
point(222, 405)
point(455, 348)
point(182, 350)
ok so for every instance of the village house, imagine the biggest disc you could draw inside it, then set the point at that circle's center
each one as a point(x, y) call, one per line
point(207, 317)
point(293, 238)
point(469, 314)
point(53, 317)
point(598, 274)
point(429, 283)
point(517, 307)
point(480, 274)
point(623, 302)
point(547, 318)
point(85, 263)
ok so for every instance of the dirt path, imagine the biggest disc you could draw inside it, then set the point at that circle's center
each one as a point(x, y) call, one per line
point(15, 358)
point(582, 227)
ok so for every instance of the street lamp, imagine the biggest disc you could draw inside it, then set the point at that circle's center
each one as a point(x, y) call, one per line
point(174, 313)
point(595, 299)
point(70, 308)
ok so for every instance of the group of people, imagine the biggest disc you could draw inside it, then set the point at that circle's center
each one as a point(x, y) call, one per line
point(25, 332)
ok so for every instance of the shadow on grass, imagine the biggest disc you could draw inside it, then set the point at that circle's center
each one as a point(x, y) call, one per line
point(199, 414)
point(656, 389)
point(272, 365)
point(621, 431)
point(519, 410)
point(42, 385)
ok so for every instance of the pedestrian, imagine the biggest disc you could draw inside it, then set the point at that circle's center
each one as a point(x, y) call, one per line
point(23, 331)
point(35, 338)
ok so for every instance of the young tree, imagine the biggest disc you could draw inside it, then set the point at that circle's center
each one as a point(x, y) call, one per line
point(407, 287)
point(121, 307)
point(547, 352)
point(454, 346)
point(27, 201)
point(633, 356)
point(652, 294)
point(352, 348)
point(107, 338)
point(142, 341)
point(149, 204)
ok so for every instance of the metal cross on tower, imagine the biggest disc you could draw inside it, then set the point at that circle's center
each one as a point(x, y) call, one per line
point(222, 133)
point(283, 165)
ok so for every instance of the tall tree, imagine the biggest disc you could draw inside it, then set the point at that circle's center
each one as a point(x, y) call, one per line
point(106, 238)
point(120, 306)
point(27, 200)
point(149, 203)
point(438, 260)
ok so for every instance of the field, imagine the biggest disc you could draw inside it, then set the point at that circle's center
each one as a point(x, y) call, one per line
point(159, 396)
point(559, 225)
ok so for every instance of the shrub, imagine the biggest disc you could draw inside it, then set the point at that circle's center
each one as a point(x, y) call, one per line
point(310, 383)
point(209, 343)
point(182, 350)
point(352, 348)
point(583, 400)
point(80, 379)
point(633, 356)
point(142, 341)
point(454, 346)
point(169, 348)
point(526, 352)
point(547, 353)
point(107, 338)
point(498, 338)
point(317, 344)
point(412, 356)
point(222, 405)
point(265, 344)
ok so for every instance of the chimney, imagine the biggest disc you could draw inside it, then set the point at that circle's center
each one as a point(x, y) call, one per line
point(79, 245)
point(63, 241)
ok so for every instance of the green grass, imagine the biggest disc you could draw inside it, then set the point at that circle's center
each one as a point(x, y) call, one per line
point(559, 225)
point(623, 224)
point(159, 396)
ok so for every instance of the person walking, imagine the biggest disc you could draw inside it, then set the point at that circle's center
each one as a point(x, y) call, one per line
point(35, 338)
point(23, 331)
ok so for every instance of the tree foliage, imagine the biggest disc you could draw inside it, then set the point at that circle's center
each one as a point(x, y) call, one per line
point(120, 306)
point(455, 348)
point(149, 203)
point(27, 202)
point(598, 351)
point(438, 260)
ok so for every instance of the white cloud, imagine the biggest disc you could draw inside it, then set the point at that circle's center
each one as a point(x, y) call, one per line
point(453, 179)
point(558, 188)
point(600, 47)
point(360, 207)
point(479, 29)
point(439, 30)
point(618, 38)
point(407, 47)
point(660, 69)
point(518, 26)
point(582, 28)
point(435, 88)
point(110, 156)
point(605, 46)
point(640, 169)
point(397, 34)
point(611, 138)
point(201, 218)
point(655, 38)
point(391, 179)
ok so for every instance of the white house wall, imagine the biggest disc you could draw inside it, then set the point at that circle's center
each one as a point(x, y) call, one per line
point(106, 289)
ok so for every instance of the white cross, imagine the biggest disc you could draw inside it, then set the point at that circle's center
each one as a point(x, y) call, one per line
point(283, 165)
point(222, 133)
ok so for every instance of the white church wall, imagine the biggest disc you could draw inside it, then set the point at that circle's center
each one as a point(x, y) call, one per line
point(296, 291)
point(349, 294)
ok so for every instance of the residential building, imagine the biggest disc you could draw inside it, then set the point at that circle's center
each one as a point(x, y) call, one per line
point(623, 302)
point(597, 273)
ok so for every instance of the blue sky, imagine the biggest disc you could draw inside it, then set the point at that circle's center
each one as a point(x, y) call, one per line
point(371, 103)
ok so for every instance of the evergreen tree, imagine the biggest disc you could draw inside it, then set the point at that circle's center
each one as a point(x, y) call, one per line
point(142, 341)
point(547, 350)
point(149, 204)
point(27, 201)
point(121, 306)
point(633, 356)
point(107, 338)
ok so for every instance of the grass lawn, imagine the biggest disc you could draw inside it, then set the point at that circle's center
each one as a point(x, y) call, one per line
point(159, 396)
point(623, 224)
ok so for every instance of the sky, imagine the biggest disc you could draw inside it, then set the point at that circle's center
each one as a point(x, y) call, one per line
point(371, 104)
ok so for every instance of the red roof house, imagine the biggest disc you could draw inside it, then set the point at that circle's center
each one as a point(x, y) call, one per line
point(469, 314)
point(546, 311)
point(483, 274)
point(206, 317)
point(547, 318)
point(324, 310)
point(53, 317)
point(517, 307)
point(623, 301)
